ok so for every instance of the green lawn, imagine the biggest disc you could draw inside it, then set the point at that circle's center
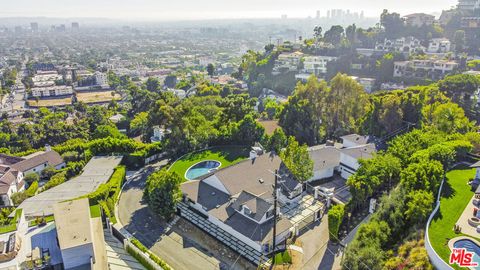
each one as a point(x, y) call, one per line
point(95, 211)
point(455, 197)
point(226, 155)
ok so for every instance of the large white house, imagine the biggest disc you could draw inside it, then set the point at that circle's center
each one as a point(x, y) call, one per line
point(424, 69)
point(340, 158)
point(288, 62)
point(469, 5)
point(13, 169)
point(406, 45)
point(236, 204)
point(419, 19)
point(439, 45)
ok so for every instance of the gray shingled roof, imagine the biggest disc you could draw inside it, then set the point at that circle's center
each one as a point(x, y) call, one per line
point(5, 181)
point(360, 152)
point(9, 160)
point(51, 157)
point(257, 205)
point(253, 176)
point(324, 157)
point(359, 139)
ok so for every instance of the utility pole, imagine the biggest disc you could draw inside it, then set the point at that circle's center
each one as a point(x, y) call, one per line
point(274, 215)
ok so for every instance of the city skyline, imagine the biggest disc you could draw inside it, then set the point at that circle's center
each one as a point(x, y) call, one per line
point(214, 9)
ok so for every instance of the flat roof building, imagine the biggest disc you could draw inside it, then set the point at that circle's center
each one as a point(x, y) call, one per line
point(80, 237)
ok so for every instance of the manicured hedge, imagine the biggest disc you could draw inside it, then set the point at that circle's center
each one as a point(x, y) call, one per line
point(335, 217)
point(152, 256)
point(107, 194)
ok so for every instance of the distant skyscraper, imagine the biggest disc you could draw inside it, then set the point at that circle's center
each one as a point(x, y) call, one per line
point(362, 15)
point(284, 16)
point(75, 26)
point(18, 29)
point(318, 14)
point(328, 14)
point(34, 27)
point(468, 4)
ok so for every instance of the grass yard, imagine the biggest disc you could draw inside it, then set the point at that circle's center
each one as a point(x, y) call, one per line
point(95, 211)
point(226, 155)
point(455, 197)
point(92, 97)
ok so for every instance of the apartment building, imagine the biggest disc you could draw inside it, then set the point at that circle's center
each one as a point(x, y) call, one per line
point(52, 91)
point(419, 19)
point(439, 45)
point(424, 69)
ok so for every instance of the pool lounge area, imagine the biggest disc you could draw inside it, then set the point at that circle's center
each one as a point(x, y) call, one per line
point(202, 168)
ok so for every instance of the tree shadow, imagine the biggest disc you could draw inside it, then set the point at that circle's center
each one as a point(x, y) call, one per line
point(146, 227)
point(447, 191)
point(233, 153)
point(328, 259)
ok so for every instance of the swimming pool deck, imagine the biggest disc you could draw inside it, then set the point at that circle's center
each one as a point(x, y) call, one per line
point(463, 220)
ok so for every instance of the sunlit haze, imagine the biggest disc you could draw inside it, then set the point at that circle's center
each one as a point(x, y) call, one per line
point(211, 9)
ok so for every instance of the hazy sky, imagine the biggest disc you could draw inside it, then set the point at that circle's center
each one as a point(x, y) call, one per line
point(208, 9)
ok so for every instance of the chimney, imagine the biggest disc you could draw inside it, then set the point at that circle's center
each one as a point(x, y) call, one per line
point(253, 154)
point(48, 148)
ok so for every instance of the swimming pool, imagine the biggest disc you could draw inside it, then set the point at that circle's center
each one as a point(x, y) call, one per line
point(471, 246)
point(202, 168)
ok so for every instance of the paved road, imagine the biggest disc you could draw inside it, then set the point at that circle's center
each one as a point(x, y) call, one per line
point(176, 250)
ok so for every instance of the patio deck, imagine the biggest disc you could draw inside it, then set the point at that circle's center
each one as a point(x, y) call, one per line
point(463, 220)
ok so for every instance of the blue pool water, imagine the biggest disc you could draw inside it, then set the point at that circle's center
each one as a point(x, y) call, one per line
point(470, 246)
point(201, 169)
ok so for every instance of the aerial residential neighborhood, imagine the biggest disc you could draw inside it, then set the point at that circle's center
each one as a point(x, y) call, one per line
point(240, 135)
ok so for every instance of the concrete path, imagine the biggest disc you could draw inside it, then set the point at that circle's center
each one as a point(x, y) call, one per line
point(117, 257)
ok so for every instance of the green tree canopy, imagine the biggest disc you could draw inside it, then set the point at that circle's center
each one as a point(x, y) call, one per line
point(162, 192)
point(297, 159)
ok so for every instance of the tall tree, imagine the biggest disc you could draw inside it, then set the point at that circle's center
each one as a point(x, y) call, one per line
point(162, 192)
point(297, 160)
point(210, 69)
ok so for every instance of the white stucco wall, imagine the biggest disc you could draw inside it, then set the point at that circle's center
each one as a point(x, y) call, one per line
point(37, 169)
point(233, 232)
point(348, 143)
point(349, 161)
point(322, 174)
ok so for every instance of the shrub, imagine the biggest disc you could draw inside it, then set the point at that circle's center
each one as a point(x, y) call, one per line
point(32, 189)
point(18, 197)
point(286, 257)
point(31, 177)
point(278, 258)
point(335, 217)
point(107, 194)
point(152, 256)
point(139, 258)
point(56, 180)
point(48, 172)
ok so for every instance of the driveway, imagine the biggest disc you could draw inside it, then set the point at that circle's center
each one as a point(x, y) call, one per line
point(318, 252)
point(183, 245)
